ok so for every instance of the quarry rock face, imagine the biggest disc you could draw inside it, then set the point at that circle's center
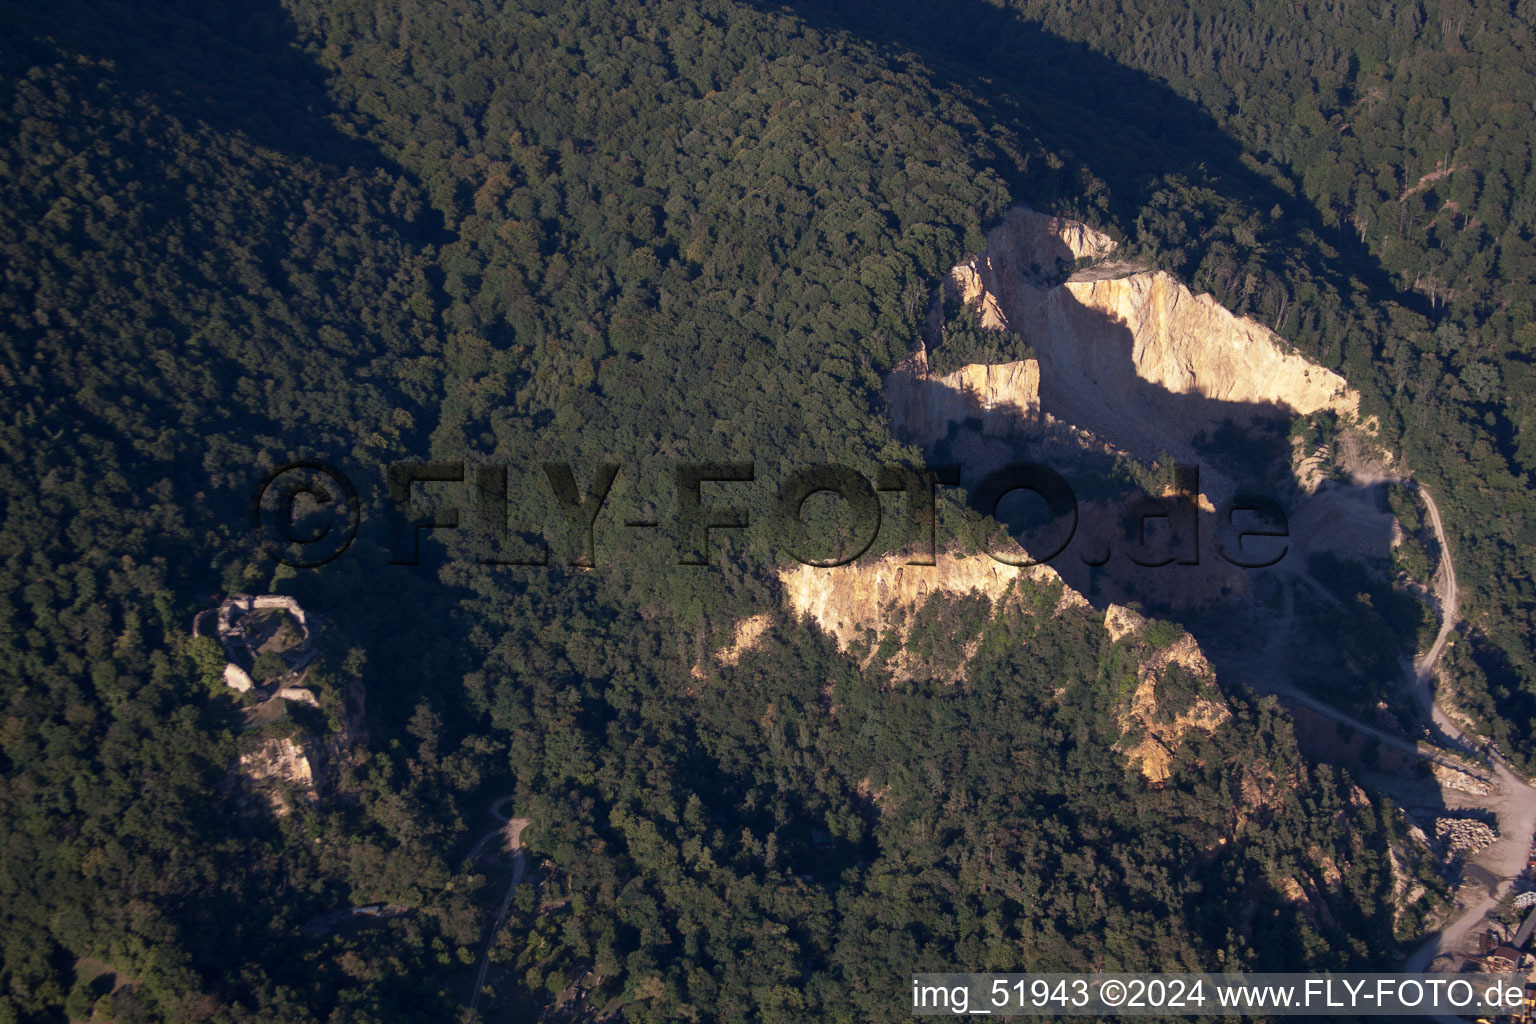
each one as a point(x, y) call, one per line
point(1153, 732)
point(872, 600)
point(1004, 396)
point(966, 282)
point(1132, 354)
point(1032, 245)
point(1190, 343)
point(1026, 246)
point(1123, 359)
point(876, 594)
point(1118, 360)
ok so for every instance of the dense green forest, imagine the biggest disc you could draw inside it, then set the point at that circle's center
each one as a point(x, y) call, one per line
point(1405, 129)
point(1357, 176)
point(588, 233)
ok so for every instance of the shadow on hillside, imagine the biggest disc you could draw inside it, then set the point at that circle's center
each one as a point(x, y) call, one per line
point(1294, 624)
point(1268, 611)
point(234, 67)
point(1128, 129)
point(1136, 135)
point(111, 76)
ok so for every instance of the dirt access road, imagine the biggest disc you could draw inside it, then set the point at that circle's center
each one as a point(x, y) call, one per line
point(511, 830)
point(1513, 801)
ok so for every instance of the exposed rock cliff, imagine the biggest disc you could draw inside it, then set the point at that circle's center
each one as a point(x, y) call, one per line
point(297, 743)
point(302, 765)
point(863, 604)
point(279, 769)
point(967, 283)
point(1133, 355)
point(1153, 729)
point(1190, 343)
point(748, 632)
point(1005, 396)
point(872, 596)
point(1026, 246)
point(1130, 363)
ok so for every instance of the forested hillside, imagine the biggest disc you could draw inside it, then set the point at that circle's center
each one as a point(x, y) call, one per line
point(590, 233)
point(1406, 129)
point(1359, 177)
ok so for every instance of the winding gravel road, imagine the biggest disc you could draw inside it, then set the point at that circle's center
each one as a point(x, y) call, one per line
point(1492, 871)
point(510, 829)
point(1514, 800)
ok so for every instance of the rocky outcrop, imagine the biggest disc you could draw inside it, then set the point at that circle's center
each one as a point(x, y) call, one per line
point(867, 603)
point(300, 767)
point(748, 632)
point(1153, 731)
point(1132, 355)
point(873, 599)
point(280, 770)
point(1450, 778)
point(1030, 246)
point(1004, 396)
point(1191, 344)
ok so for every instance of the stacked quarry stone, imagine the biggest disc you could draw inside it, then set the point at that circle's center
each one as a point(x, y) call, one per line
point(1462, 836)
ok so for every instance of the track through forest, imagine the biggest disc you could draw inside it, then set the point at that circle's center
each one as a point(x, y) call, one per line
point(511, 829)
point(1514, 799)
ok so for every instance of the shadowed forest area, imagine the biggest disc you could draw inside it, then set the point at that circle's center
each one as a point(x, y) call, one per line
point(1295, 167)
point(579, 232)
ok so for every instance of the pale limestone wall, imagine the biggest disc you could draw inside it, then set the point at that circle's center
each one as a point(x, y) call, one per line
point(246, 603)
point(1110, 326)
point(877, 594)
point(967, 282)
point(872, 593)
point(288, 604)
point(1006, 396)
point(234, 676)
point(1190, 343)
point(1032, 244)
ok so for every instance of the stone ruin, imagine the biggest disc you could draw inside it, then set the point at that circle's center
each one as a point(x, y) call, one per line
point(232, 627)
